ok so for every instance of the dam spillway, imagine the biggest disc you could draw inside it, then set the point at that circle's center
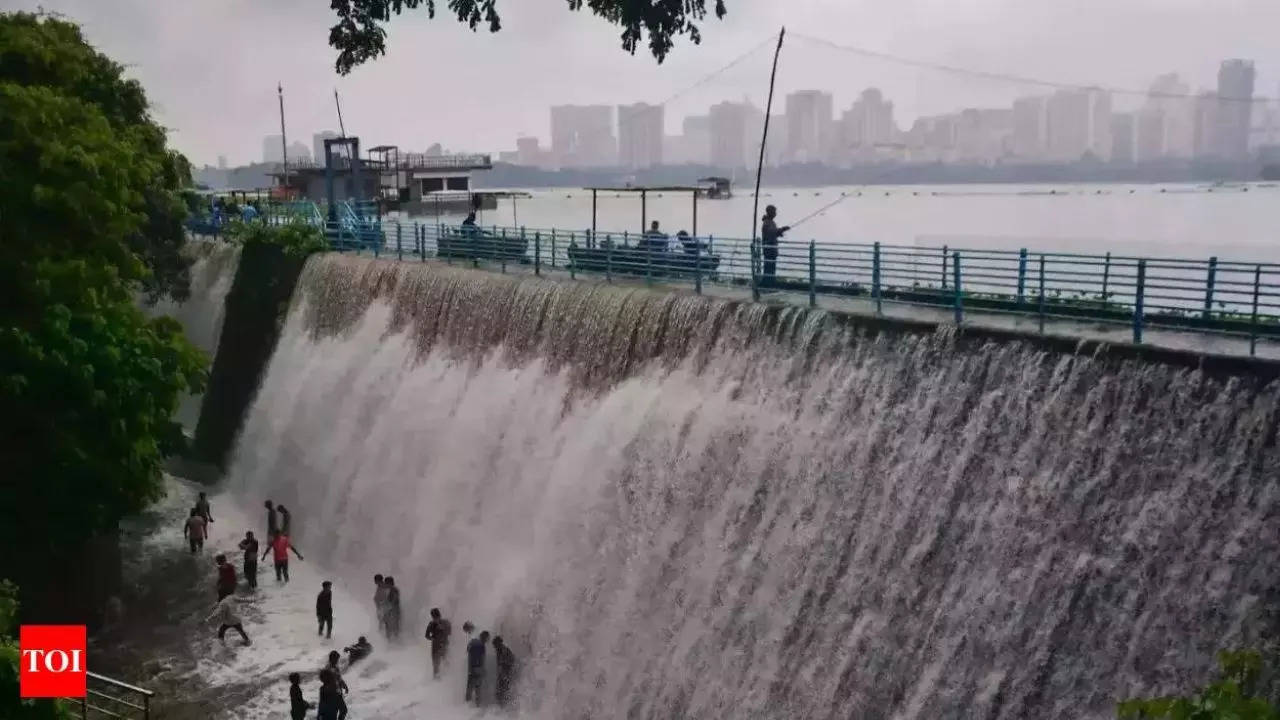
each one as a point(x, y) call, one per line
point(676, 506)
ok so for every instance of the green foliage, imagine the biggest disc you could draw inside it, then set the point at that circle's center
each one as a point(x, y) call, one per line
point(298, 239)
point(359, 36)
point(90, 216)
point(1233, 696)
point(11, 706)
point(51, 55)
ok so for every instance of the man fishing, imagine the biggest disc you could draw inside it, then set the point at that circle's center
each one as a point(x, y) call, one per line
point(770, 234)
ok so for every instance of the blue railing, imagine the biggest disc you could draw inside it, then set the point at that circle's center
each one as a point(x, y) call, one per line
point(1216, 296)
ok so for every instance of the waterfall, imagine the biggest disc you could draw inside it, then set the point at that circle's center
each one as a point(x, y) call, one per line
point(674, 506)
point(213, 268)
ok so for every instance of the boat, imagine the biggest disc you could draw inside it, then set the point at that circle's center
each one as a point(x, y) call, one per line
point(716, 188)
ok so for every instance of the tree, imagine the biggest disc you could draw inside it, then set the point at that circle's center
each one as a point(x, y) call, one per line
point(359, 36)
point(51, 53)
point(90, 216)
point(1233, 696)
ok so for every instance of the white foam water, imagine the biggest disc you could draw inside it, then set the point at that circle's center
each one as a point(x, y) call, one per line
point(672, 506)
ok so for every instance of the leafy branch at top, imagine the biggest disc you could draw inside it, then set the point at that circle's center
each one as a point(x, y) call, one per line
point(359, 35)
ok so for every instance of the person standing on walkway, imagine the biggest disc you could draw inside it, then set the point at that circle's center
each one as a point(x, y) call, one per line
point(506, 661)
point(380, 602)
point(226, 577)
point(194, 531)
point(225, 613)
point(250, 547)
point(770, 234)
point(279, 549)
point(297, 706)
point(475, 667)
point(324, 609)
point(273, 525)
point(393, 608)
point(202, 507)
point(438, 631)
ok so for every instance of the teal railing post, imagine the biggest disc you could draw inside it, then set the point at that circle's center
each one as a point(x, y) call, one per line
point(955, 266)
point(755, 284)
point(363, 230)
point(697, 267)
point(813, 274)
point(1041, 299)
point(1208, 286)
point(1106, 278)
point(1138, 297)
point(608, 257)
point(1253, 317)
point(537, 252)
point(648, 264)
point(573, 271)
point(944, 267)
point(1022, 276)
point(553, 248)
point(399, 249)
point(875, 278)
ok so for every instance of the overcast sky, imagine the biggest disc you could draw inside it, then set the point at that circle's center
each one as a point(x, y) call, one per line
point(210, 67)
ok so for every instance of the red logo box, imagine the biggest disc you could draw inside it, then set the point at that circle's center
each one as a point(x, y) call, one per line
point(53, 661)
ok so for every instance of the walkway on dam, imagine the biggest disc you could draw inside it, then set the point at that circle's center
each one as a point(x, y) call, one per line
point(908, 313)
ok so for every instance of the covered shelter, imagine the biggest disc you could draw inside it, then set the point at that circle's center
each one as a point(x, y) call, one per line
point(643, 191)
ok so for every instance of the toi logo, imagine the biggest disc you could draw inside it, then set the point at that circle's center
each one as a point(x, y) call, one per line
point(53, 661)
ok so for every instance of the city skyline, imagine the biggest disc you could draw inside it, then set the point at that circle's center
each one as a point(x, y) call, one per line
point(217, 101)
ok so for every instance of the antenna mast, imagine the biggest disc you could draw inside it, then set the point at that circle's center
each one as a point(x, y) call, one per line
point(338, 102)
point(284, 142)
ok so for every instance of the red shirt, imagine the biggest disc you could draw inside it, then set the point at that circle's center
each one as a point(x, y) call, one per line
point(227, 576)
point(280, 548)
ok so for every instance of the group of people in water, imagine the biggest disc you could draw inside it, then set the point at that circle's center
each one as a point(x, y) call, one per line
point(331, 702)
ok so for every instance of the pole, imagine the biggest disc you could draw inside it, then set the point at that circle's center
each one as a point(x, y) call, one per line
point(1022, 276)
point(695, 215)
point(1041, 298)
point(284, 142)
point(955, 265)
point(591, 241)
point(813, 275)
point(1208, 287)
point(341, 128)
point(764, 139)
point(875, 278)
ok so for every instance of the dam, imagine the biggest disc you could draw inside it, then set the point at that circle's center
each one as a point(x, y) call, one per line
point(675, 505)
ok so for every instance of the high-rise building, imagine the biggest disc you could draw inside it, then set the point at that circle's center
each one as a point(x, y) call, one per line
point(809, 125)
point(299, 153)
point(983, 135)
point(696, 139)
point(1123, 138)
point(222, 162)
point(527, 152)
point(866, 124)
point(1204, 122)
point(272, 149)
point(728, 130)
point(1030, 140)
point(640, 135)
point(317, 144)
point(582, 136)
point(1235, 109)
point(1079, 124)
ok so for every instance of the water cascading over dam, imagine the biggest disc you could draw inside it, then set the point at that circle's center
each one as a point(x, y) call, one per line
point(678, 507)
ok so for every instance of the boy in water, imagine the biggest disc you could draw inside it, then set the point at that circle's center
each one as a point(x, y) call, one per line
point(226, 576)
point(225, 613)
point(297, 706)
point(438, 631)
point(202, 507)
point(324, 609)
point(194, 530)
point(332, 667)
point(250, 547)
point(475, 667)
point(506, 671)
point(380, 602)
point(279, 549)
point(361, 650)
point(332, 706)
point(393, 608)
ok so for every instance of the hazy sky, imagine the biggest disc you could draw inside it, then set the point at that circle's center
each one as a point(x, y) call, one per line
point(211, 66)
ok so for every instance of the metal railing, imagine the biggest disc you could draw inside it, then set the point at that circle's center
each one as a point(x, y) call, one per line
point(110, 698)
point(1214, 296)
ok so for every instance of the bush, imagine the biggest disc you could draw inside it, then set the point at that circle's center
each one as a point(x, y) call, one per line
point(1233, 696)
point(297, 239)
